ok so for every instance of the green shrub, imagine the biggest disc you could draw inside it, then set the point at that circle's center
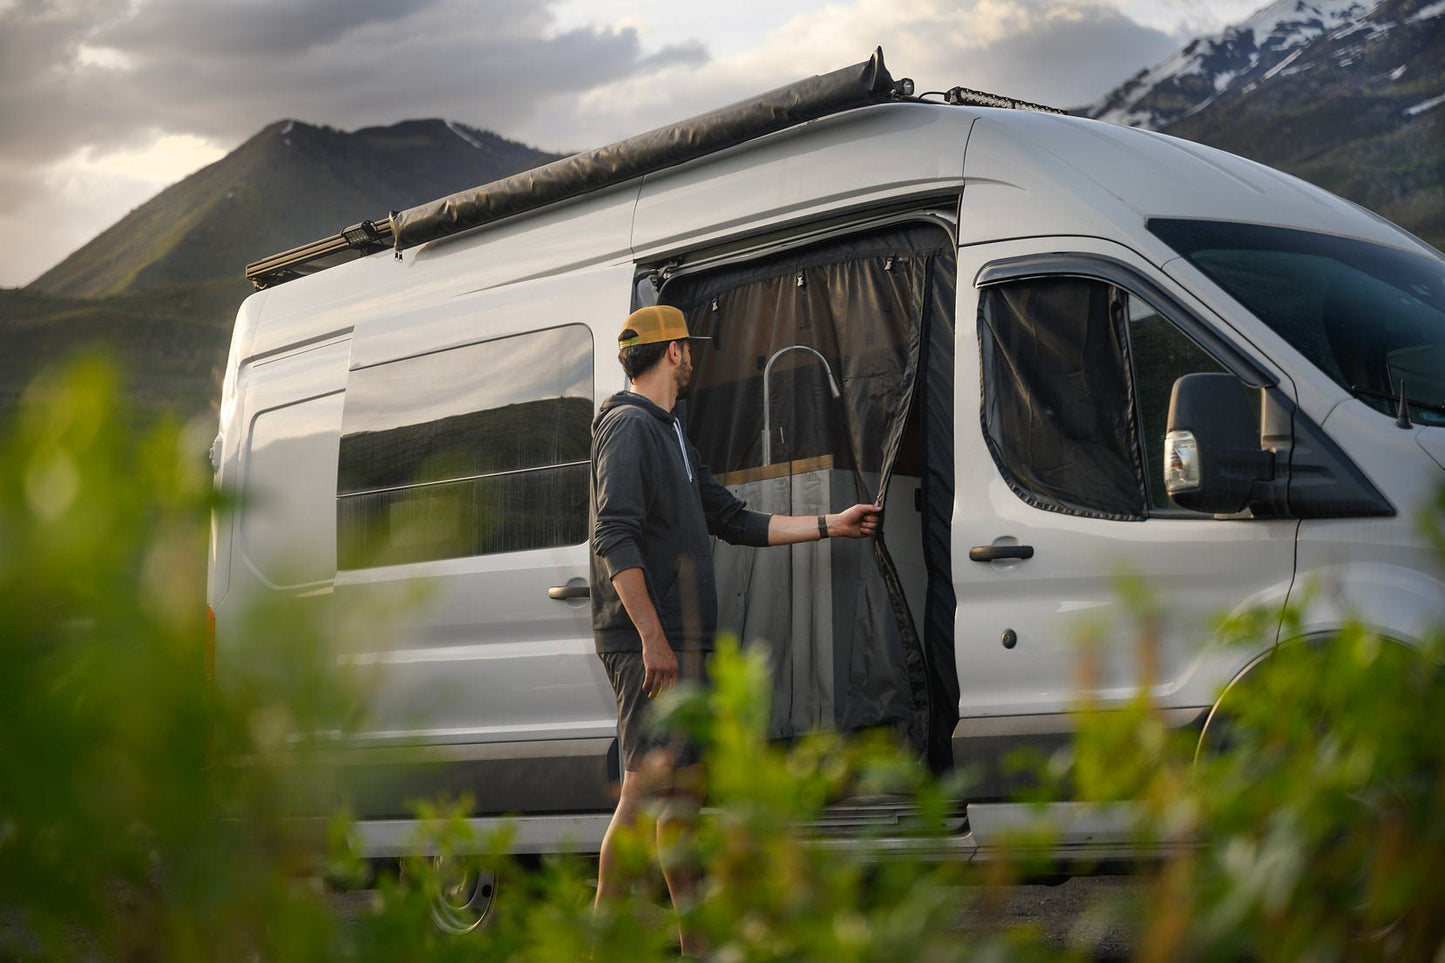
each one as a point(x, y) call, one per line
point(144, 810)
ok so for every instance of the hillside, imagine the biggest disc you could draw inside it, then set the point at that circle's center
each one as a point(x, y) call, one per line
point(170, 341)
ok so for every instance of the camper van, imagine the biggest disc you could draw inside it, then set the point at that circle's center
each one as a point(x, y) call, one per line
point(1057, 351)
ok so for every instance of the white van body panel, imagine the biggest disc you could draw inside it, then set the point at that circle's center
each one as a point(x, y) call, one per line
point(1064, 607)
point(488, 666)
point(508, 662)
point(290, 465)
point(1380, 572)
point(1095, 179)
point(838, 163)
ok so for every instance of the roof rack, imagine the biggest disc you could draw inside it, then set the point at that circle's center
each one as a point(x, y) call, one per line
point(964, 97)
point(356, 241)
point(859, 85)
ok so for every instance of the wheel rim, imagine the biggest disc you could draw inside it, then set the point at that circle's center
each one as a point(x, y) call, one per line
point(465, 897)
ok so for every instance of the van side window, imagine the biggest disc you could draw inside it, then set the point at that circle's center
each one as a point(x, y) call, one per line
point(1058, 406)
point(474, 450)
point(290, 451)
point(1161, 355)
point(1077, 377)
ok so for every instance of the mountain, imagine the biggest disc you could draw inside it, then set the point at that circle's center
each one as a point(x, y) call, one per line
point(1240, 56)
point(289, 184)
point(159, 288)
point(1347, 94)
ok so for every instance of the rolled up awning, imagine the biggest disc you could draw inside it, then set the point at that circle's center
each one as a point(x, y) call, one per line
point(856, 86)
point(667, 146)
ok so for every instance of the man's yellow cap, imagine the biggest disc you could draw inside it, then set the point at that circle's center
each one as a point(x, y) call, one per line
point(654, 324)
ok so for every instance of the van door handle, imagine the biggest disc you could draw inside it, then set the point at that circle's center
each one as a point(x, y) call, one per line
point(992, 553)
point(569, 591)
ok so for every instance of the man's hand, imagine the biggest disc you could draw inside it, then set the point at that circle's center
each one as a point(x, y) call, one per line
point(659, 663)
point(860, 521)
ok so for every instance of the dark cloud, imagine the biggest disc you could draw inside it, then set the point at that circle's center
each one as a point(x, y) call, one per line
point(1069, 61)
point(257, 29)
point(43, 95)
point(223, 69)
point(471, 61)
point(688, 54)
point(108, 75)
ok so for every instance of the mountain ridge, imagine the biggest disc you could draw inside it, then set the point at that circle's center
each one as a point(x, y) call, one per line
point(1206, 67)
point(285, 185)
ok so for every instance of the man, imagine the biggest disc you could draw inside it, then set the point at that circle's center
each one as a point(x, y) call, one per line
point(654, 511)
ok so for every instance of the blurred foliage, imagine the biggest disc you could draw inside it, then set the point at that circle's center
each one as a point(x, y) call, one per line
point(1310, 802)
point(145, 811)
point(120, 838)
point(1314, 798)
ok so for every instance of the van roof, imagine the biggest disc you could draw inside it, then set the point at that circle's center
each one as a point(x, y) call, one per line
point(1082, 170)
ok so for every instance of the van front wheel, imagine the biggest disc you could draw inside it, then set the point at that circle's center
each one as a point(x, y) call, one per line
point(463, 900)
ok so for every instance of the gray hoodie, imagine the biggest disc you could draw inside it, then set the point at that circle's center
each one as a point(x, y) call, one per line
point(653, 510)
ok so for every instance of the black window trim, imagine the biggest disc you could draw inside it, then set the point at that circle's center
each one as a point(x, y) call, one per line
point(724, 255)
point(460, 478)
point(1113, 271)
point(488, 339)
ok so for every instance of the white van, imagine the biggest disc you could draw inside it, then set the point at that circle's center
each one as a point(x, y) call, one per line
point(978, 314)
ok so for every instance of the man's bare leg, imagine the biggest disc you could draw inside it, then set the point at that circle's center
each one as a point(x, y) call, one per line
point(610, 884)
point(676, 822)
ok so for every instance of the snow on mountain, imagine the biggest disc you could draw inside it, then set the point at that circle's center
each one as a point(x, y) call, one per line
point(1262, 47)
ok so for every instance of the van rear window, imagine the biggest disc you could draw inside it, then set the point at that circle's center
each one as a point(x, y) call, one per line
point(474, 450)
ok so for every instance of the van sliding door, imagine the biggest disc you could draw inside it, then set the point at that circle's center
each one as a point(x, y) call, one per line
point(822, 388)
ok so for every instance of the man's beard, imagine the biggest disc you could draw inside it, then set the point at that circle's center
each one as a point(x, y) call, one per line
point(684, 380)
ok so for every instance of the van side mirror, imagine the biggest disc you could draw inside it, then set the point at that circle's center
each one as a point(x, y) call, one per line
point(1212, 454)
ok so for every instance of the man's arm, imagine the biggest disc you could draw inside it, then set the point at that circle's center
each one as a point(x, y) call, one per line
point(860, 521)
point(658, 659)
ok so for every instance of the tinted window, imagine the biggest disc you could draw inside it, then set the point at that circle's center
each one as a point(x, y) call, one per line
point(1077, 379)
point(1370, 317)
point(1161, 354)
point(471, 451)
point(1058, 405)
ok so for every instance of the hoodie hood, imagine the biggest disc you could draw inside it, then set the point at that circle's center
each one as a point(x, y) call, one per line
point(624, 398)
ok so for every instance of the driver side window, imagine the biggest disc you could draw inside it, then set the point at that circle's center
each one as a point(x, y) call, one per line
point(1077, 378)
point(1161, 355)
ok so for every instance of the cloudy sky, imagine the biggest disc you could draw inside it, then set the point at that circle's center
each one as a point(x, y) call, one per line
point(105, 102)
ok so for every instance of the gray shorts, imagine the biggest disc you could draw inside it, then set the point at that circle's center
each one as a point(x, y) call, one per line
point(626, 672)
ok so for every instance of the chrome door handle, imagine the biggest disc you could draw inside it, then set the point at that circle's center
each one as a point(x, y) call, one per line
point(992, 553)
point(561, 592)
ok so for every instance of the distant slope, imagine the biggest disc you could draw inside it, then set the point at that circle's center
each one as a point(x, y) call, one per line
point(289, 184)
point(171, 342)
point(1348, 95)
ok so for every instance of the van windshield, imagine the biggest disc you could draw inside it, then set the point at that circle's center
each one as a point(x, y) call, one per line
point(1371, 317)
